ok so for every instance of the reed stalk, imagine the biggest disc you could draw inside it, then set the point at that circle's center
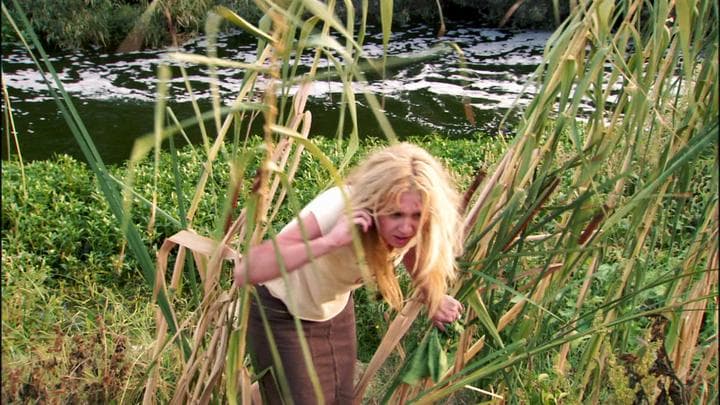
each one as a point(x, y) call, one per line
point(9, 130)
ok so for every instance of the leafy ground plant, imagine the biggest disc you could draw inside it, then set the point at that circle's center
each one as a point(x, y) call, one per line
point(76, 324)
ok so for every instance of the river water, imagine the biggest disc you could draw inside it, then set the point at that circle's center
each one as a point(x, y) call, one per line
point(115, 94)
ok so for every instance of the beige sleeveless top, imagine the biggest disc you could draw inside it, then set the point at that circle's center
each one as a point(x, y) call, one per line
point(320, 290)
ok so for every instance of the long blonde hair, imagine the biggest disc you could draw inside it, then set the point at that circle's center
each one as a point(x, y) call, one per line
point(377, 185)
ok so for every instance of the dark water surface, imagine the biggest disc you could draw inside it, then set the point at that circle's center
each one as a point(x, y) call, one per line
point(115, 94)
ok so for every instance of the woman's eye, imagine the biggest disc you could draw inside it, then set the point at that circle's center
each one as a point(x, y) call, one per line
point(396, 215)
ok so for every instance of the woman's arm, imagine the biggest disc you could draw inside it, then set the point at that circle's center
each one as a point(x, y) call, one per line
point(449, 309)
point(261, 264)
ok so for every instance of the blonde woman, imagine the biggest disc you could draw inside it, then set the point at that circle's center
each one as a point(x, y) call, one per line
point(404, 207)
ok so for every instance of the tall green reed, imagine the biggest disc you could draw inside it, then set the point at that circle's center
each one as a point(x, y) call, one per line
point(9, 130)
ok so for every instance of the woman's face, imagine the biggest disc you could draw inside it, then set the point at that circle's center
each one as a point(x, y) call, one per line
point(399, 226)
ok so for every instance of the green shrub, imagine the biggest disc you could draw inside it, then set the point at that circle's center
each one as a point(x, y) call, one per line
point(75, 24)
point(104, 24)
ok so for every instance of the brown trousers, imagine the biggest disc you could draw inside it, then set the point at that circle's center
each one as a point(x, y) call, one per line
point(333, 350)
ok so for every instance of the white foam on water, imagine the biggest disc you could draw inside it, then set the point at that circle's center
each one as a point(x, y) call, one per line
point(133, 76)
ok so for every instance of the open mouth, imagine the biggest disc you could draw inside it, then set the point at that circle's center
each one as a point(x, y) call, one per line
point(400, 240)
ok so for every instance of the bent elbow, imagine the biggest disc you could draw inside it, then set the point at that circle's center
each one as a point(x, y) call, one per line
point(240, 275)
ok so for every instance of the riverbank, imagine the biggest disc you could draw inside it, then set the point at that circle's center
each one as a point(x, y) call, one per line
point(122, 25)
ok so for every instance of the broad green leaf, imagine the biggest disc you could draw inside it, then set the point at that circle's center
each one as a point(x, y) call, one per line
point(418, 365)
point(476, 302)
point(437, 358)
point(242, 23)
point(604, 11)
point(684, 15)
point(386, 16)
point(429, 360)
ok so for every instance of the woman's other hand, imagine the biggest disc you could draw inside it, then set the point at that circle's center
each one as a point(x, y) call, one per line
point(341, 233)
point(449, 311)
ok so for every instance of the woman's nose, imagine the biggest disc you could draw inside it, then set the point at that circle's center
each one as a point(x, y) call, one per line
point(407, 225)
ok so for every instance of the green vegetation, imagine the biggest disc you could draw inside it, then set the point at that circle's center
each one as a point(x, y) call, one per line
point(64, 259)
point(590, 272)
point(106, 24)
point(76, 323)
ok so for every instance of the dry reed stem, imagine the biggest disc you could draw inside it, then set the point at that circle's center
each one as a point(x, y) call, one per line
point(510, 315)
point(698, 376)
point(212, 315)
point(492, 182)
point(215, 306)
point(543, 198)
point(177, 269)
point(291, 174)
point(516, 309)
point(468, 353)
point(649, 214)
point(222, 334)
point(397, 329)
point(191, 364)
point(209, 255)
point(300, 116)
point(247, 391)
point(401, 395)
point(471, 214)
point(283, 150)
point(549, 269)
point(219, 141)
point(692, 318)
point(204, 360)
point(474, 349)
point(478, 178)
point(201, 248)
point(151, 384)
point(463, 342)
point(184, 239)
point(690, 321)
point(561, 365)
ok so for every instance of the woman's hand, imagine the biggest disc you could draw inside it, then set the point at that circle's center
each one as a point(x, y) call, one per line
point(448, 312)
point(341, 233)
